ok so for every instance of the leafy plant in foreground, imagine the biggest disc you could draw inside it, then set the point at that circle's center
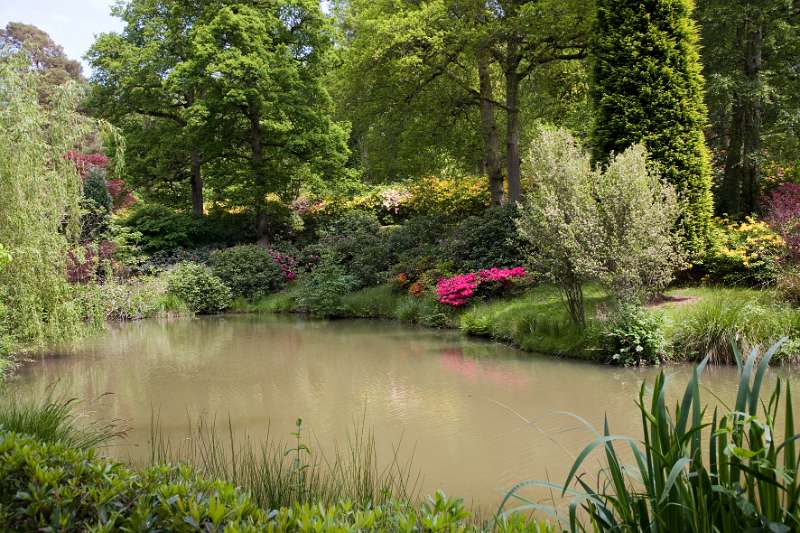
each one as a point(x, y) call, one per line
point(732, 471)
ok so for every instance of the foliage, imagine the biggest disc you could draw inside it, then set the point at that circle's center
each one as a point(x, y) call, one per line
point(199, 288)
point(90, 262)
point(734, 469)
point(788, 286)
point(783, 215)
point(648, 88)
point(744, 253)
point(452, 198)
point(485, 240)
point(320, 292)
point(458, 290)
point(355, 242)
point(707, 327)
point(636, 216)
point(557, 217)
point(39, 204)
point(633, 337)
point(247, 270)
point(161, 228)
point(133, 299)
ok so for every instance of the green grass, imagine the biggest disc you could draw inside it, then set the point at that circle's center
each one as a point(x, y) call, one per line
point(706, 324)
point(52, 419)
point(536, 321)
point(697, 320)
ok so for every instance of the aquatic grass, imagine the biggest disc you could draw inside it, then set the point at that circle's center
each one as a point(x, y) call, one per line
point(277, 474)
point(53, 419)
point(375, 302)
point(705, 327)
point(732, 471)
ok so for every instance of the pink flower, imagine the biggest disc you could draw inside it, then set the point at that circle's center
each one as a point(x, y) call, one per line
point(502, 274)
point(457, 290)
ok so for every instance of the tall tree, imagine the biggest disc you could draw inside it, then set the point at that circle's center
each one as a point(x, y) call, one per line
point(648, 87)
point(750, 60)
point(46, 58)
point(137, 86)
point(263, 64)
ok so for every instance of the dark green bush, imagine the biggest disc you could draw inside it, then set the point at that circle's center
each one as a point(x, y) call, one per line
point(96, 206)
point(356, 242)
point(320, 292)
point(633, 337)
point(51, 487)
point(485, 241)
point(199, 288)
point(248, 270)
point(161, 228)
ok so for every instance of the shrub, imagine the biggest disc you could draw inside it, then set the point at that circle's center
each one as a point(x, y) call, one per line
point(96, 206)
point(355, 241)
point(558, 217)
point(199, 288)
point(743, 253)
point(485, 240)
point(613, 225)
point(788, 286)
point(161, 228)
point(320, 292)
point(458, 290)
point(452, 198)
point(783, 215)
point(248, 270)
point(633, 337)
point(42, 484)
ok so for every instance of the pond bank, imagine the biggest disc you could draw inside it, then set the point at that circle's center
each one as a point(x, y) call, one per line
point(695, 321)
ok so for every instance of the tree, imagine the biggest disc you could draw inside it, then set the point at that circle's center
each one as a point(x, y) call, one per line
point(40, 191)
point(750, 62)
point(263, 66)
point(648, 88)
point(138, 87)
point(45, 56)
point(464, 61)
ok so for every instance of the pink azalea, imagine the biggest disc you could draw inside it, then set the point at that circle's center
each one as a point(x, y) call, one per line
point(457, 290)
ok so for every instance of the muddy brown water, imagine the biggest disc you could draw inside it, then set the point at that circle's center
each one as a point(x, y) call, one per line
point(473, 417)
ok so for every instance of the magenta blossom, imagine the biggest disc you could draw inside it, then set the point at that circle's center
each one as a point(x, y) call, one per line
point(457, 290)
point(502, 274)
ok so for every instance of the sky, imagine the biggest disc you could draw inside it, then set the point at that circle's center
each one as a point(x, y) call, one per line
point(71, 23)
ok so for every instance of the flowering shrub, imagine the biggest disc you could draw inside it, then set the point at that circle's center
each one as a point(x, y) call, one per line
point(285, 262)
point(783, 215)
point(450, 197)
point(745, 253)
point(502, 274)
point(633, 337)
point(250, 270)
point(457, 290)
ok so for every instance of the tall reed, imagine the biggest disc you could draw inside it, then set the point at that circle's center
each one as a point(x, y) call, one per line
point(730, 471)
point(279, 474)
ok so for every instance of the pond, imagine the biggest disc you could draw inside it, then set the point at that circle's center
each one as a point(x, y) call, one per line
point(474, 417)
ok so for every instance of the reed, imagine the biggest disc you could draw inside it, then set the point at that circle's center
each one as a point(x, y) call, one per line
point(278, 474)
point(53, 419)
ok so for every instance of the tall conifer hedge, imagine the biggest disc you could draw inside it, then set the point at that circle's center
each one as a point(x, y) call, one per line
point(648, 87)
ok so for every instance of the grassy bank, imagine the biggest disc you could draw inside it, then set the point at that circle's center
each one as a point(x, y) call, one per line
point(695, 321)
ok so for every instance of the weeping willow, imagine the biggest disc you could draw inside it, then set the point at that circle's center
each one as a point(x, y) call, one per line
point(39, 207)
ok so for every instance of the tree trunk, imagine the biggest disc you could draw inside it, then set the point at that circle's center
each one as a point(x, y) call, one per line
point(513, 159)
point(197, 183)
point(740, 189)
point(491, 139)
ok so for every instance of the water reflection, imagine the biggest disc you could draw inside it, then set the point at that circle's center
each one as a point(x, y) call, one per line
point(477, 416)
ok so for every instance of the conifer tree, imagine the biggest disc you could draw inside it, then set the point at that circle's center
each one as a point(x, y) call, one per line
point(648, 88)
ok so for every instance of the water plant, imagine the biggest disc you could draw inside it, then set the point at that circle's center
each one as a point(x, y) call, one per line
point(735, 470)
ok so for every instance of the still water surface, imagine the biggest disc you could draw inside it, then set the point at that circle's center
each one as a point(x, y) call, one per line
point(476, 416)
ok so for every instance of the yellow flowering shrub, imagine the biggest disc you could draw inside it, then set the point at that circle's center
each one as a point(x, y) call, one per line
point(743, 253)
